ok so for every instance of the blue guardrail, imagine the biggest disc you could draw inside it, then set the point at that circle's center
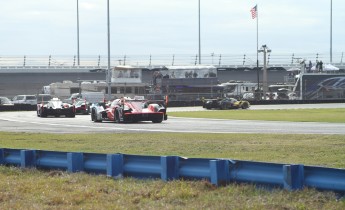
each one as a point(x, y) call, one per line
point(217, 171)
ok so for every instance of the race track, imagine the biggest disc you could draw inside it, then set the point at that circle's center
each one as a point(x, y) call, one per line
point(27, 121)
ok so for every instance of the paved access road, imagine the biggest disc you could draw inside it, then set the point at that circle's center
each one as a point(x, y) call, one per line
point(27, 121)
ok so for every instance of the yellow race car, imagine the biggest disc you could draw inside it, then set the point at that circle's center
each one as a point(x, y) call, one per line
point(225, 103)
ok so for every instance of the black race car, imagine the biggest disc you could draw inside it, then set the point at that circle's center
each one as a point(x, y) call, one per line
point(225, 103)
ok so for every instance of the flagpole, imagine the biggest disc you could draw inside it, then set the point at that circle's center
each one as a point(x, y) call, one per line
point(257, 46)
point(331, 37)
point(199, 37)
point(78, 55)
point(109, 70)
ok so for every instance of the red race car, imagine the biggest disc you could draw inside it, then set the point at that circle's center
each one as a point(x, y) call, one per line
point(129, 110)
point(82, 107)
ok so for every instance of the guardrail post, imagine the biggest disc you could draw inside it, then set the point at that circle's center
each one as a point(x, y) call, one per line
point(220, 173)
point(75, 162)
point(115, 165)
point(2, 156)
point(27, 158)
point(169, 166)
point(293, 177)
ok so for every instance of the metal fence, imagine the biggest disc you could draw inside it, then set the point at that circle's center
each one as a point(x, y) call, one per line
point(217, 171)
point(247, 59)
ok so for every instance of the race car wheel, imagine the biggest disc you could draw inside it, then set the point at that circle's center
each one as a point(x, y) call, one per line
point(158, 120)
point(42, 115)
point(245, 106)
point(94, 117)
point(71, 115)
point(117, 117)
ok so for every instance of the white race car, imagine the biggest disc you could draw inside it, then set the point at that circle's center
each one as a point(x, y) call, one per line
point(55, 107)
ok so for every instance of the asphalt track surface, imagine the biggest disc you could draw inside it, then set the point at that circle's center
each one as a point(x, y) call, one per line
point(27, 121)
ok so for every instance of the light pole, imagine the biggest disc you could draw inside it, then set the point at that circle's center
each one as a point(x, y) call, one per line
point(199, 37)
point(265, 50)
point(78, 32)
point(331, 36)
point(109, 70)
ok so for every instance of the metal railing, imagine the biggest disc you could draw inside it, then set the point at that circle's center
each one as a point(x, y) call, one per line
point(274, 59)
point(217, 171)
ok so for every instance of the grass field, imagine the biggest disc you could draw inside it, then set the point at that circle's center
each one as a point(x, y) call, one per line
point(323, 150)
point(32, 189)
point(294, 115)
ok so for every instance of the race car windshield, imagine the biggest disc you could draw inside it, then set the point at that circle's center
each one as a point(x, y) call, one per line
point(56, 103)
point(80, 102)
point(137, 105)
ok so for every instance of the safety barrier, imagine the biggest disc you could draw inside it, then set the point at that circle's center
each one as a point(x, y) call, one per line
point(216, 171)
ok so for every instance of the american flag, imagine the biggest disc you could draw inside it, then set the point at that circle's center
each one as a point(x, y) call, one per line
point(254, 12)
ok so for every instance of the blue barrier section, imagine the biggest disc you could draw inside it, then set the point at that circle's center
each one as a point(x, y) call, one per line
point(115, 165)
point(220, 174)
point(257, 172)
point(169, 168)
point(194, 168)
point(293, 177)
point(28, 158)
point(324, 178)
point(142, 166)
point(217, 171)
point(51, 160)
point(2, 160)
point(75, 162)
point(12, 157)
point(95, 163)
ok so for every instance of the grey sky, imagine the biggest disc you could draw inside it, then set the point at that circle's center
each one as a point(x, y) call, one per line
point(138, 27)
